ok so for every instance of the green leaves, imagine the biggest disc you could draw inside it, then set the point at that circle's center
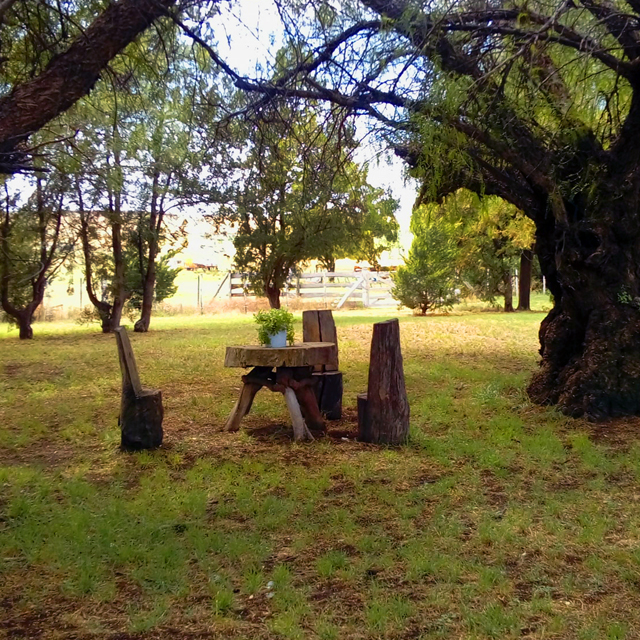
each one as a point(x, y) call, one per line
point(297, 196)
point(428, 279)
point(272, 322)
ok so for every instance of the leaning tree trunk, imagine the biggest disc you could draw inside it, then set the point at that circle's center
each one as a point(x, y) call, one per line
point(590, 341)
point(524, 281)
point(143, 323)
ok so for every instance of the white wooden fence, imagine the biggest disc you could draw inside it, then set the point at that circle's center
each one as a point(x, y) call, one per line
point(370, 288)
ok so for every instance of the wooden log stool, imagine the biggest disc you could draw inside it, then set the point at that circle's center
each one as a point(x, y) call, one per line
point(319, 326)
point(141, 410)
point(383, 412)
point(293, 377)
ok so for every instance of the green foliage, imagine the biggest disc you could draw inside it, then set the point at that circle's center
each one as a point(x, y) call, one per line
point(428, 279)
point(136, 268)
point(272, 322)
point(298, 196)
point(490, 235)
point(35, 241)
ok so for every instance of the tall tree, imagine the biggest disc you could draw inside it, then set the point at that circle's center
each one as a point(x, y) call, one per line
point(29, 237)
point(174, 149)
point(536, 103)
point(373, 229)
point(101, 197)
point(429, 278)
point(297, 196)
point(53, 56)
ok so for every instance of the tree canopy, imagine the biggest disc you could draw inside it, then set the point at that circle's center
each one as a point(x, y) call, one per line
point(535, 102)
point(295, 195)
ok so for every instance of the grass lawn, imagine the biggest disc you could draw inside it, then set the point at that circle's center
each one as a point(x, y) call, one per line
point(499, 519)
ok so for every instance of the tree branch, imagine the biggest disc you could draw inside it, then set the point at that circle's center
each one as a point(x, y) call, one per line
point(72, 74)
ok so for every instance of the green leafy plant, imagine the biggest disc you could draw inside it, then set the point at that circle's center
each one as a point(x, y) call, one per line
point(272, 322)
point(624, 297)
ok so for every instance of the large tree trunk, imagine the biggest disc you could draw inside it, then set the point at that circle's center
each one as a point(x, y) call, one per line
point(524, 281)
point(590, 341)
point(24, 321)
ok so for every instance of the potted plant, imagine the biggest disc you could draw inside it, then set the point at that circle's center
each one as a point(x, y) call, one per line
point(275, 327)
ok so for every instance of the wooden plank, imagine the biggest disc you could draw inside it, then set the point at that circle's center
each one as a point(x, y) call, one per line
point(310, 326)
point(128, 368)
point(330, 274)
point(311, 330)
point(220, 287)
point(309, 286)
point(328, 333)
point(298, 355)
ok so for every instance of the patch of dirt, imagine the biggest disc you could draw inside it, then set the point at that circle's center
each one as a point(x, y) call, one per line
point(493, 489)
point(619, 433)
point(41, 453)
point(32, 371)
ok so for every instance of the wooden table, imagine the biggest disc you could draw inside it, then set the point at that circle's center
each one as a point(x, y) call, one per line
point(293, 377)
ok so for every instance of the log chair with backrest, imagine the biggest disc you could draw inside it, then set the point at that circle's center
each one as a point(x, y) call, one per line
point(141, 410)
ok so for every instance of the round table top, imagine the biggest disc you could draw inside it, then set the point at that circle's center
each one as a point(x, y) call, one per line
point(301, 354)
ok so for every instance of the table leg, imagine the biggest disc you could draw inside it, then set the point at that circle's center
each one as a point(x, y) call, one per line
point(309, 404)
point(242, 406)
point(300, 430)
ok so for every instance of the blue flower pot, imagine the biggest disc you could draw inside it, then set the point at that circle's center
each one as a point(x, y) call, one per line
point(278, 340)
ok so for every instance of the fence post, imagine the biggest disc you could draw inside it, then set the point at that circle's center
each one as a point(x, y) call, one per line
point(365, 288)
point(324, 289)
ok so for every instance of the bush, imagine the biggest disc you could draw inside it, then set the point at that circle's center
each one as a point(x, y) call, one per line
point(428, 279)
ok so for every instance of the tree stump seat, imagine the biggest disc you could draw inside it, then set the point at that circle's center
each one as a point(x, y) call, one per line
point(383, 411)
point(141, 410)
